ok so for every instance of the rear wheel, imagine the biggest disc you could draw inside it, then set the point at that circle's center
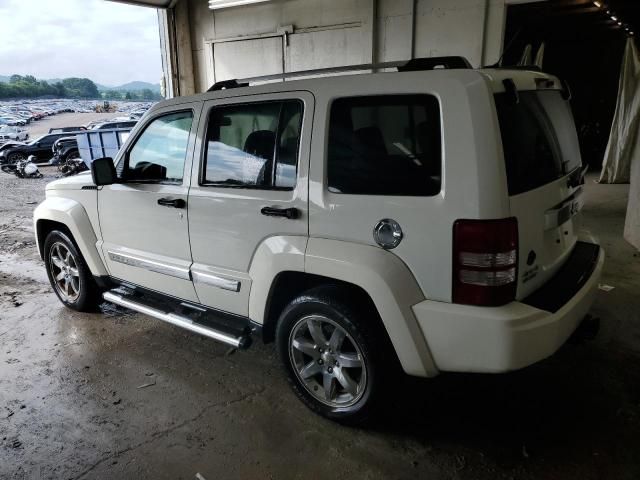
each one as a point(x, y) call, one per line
point(72, 155)
point(335, 354)
point(68, 273)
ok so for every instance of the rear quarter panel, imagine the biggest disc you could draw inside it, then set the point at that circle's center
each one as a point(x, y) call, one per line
point(473, 174)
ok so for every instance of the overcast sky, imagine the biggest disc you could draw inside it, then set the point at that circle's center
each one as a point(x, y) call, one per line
point(110, 43)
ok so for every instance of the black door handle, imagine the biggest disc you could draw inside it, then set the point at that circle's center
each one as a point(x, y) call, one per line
point(290, 213)
point(172, 202)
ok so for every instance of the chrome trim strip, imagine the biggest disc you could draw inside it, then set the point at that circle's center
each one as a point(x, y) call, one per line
point(177, 320)
point(151, 265)
point(215, 281)
point(557, 216)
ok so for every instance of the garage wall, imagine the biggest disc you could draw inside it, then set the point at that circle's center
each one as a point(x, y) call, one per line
point(289, 35)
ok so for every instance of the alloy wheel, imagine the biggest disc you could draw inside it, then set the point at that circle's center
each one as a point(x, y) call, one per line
point(64, 272)
point(327, 361)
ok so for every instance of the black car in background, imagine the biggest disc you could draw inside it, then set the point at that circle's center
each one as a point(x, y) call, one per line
point(65, 148)
point(12, 152)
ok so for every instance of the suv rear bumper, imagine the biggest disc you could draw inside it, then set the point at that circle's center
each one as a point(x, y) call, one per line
point(466, 338)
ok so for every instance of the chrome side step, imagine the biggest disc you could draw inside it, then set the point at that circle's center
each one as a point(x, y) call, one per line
point(242, 342)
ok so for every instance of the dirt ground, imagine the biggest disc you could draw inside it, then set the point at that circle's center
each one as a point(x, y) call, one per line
point(38, 128)
point(120, 395)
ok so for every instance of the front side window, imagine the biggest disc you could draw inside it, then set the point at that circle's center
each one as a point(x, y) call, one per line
point(253, 145)
point(159, 153)
point(385, 145)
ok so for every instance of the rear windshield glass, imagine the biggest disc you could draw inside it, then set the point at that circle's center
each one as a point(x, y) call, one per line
point(538, 138)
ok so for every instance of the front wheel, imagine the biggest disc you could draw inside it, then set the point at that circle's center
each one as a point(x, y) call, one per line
point(336, 354)
point(68, 273)
point(16, 157)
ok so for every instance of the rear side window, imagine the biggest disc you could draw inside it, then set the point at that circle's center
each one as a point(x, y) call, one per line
point(385, 145)
point(253, 145)
point(538, 138)
point(47, 140)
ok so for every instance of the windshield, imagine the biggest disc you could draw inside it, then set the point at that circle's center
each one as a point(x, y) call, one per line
point(538, 138)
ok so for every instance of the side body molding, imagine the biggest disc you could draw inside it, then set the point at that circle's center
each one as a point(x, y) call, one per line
point(73, 215)
point(390, 285)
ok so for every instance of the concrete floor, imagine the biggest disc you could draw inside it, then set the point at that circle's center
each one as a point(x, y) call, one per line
point(118, 395)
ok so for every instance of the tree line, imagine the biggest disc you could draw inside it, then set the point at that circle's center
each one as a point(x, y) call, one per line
point(28, 86)
point(144, 94)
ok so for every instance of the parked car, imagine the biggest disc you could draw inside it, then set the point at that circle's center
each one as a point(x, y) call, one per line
point(117, 124)
point(426, 218)
point(13, 152)
point(26, 116)
point(64, 148)
point(12, 133)
point(12, 120)
point(66, 129)
point(137, 114)
point(20, 116)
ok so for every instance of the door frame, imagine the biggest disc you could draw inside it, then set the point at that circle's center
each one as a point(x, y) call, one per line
point(231, 287)
point(160, 268)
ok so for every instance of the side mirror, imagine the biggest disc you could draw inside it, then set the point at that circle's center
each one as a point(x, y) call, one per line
point(103, 171)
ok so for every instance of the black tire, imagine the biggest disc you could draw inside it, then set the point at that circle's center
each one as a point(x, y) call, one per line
point(15, 157)
point(71, 155)
point(87, 297)
point(364, 331)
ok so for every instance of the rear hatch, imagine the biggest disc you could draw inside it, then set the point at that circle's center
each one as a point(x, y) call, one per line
point(544, 175)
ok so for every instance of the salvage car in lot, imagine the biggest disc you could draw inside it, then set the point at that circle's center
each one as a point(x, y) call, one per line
point(12, 152)
point(111, 125)
point(313, 212)
point(12, 120)
point(64, 148)
point(8, 133)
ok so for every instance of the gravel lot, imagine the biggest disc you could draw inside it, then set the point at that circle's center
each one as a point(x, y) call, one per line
point(120, 395)
point(42, 126)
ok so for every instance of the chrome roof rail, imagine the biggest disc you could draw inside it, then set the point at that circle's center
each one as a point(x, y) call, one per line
point(416, 64)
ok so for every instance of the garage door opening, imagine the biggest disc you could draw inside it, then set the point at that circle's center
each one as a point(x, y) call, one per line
point(584, 46)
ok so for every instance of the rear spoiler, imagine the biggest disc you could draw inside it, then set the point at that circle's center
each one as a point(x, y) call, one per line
point(512, 92)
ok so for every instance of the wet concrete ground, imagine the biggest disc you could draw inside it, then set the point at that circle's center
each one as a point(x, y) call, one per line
point(120, 395)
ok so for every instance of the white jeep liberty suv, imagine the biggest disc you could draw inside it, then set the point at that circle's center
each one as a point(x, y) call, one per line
point(421, 217)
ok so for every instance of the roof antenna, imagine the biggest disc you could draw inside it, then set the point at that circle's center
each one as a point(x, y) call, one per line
point(506, 49)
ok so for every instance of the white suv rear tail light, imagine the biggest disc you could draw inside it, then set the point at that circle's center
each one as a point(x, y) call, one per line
point(485, 258)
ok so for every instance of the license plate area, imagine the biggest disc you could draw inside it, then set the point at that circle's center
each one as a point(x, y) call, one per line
point(558, 215)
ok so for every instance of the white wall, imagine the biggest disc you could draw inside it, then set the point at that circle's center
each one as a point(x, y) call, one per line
point(331, 32)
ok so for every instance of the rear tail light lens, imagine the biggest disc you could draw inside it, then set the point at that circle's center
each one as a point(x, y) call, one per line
point(485, 258)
